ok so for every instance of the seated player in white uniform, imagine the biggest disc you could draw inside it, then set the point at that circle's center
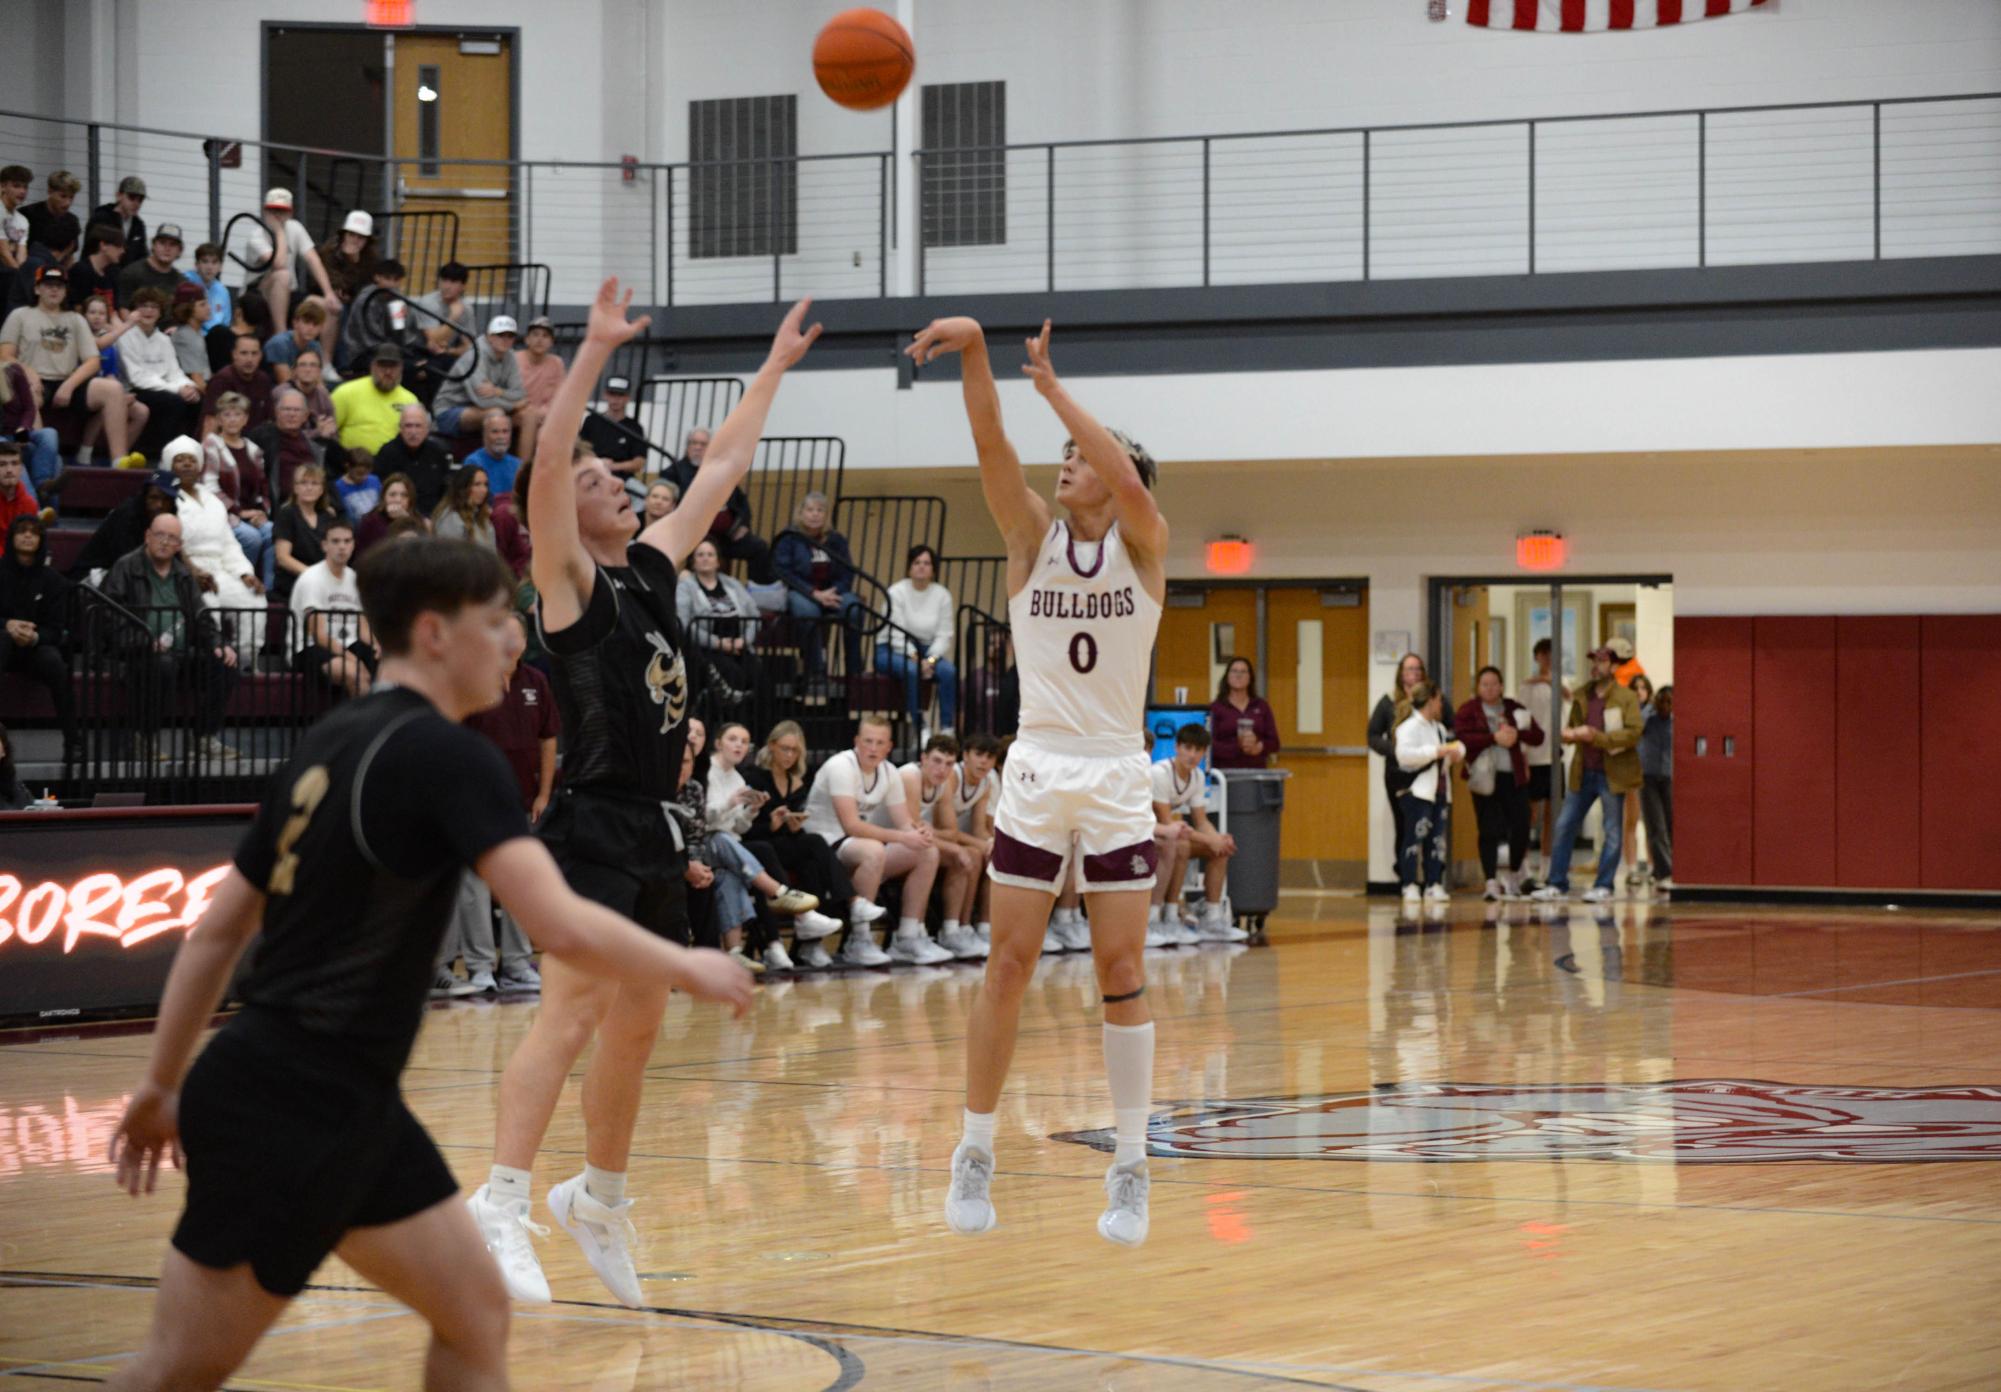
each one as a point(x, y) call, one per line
point(975, 792)
point(1084, 601)
point(930, 788)
point(1185, 833)
point(850, 789)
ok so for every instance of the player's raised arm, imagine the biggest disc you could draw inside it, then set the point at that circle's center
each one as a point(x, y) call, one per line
point(562, 570)
point(1022, 516)
point(734, 444)
point(1139, 516)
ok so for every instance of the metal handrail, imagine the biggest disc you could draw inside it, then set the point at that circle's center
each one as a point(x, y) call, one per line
point(1494, 121)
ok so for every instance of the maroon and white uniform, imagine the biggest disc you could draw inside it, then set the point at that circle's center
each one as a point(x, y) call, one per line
point(1078, 788)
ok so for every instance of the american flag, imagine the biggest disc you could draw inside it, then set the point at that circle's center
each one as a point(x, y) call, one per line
point(1578, 16)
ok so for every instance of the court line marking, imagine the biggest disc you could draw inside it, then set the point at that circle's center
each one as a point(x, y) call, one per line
point(1158, 1179)
point(1875, 985)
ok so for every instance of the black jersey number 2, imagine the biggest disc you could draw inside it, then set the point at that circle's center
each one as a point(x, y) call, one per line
point(1083, 652)
point(306, 795)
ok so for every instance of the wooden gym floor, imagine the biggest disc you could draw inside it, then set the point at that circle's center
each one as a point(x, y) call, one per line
point(1430, 1155)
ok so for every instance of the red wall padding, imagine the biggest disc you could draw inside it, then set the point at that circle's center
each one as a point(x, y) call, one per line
point(1878, 839)
point(1713, 794)
point(1961, 737)
point(1793, 780)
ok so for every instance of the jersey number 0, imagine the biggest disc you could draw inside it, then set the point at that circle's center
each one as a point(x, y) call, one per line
point(1083, 652)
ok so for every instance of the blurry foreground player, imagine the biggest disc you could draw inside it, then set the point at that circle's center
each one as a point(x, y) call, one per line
point(1076, 805)
point(297, 1140)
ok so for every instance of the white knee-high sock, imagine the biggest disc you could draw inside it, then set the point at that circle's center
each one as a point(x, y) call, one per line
point(1129, 1070)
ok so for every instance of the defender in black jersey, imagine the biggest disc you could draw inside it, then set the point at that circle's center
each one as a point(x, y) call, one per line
point(606, 614)
point(297, 1140)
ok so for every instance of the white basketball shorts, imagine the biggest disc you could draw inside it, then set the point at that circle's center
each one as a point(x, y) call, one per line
point(1085, 815)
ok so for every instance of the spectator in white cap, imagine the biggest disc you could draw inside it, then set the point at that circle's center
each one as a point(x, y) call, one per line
point(282, 257)
point(615, 437)
point(486, 381)
point(349, 256)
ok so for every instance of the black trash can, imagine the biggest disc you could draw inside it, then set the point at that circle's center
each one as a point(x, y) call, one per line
point(1252, 801)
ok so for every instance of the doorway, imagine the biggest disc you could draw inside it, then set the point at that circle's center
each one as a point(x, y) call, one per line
point(1309, 643)
point(1498, 621)
point(438, 104)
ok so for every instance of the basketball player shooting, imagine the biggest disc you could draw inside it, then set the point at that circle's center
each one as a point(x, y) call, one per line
point(1084, 600)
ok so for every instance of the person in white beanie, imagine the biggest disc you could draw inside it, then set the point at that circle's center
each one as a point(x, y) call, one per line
point(209, 545)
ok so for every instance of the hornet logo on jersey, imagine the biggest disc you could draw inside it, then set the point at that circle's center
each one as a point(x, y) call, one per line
point(667, 681)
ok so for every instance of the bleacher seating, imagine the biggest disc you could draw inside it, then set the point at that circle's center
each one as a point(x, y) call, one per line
point(277, 702)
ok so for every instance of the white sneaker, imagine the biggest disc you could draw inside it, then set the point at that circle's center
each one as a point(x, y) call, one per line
point(777, 958)
point(751, 964)
point(1412, 895)
point(986, 933)
point(446, 986)
point(918, 948)
point(860, 950)
point(1597, 894)
point(1438, 894)
point(483, 984)
point(864, 911)
point(1550, 894)
point(520, 977)
point(1051, 944)
point(510, 1235)
point(1181, 933)
point(1216, 928)
point(813, 957)
point(813, 925)
point(969, 1204)
point(1156, 934)
point(1074, 934)
point(1493, 892)
point(605, 1234)
point(962, 942)
point(1124, 1218)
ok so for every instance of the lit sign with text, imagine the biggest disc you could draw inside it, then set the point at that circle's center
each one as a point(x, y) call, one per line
point(92, 909)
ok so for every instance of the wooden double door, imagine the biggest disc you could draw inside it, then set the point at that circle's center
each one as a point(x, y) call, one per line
point(1316, 645)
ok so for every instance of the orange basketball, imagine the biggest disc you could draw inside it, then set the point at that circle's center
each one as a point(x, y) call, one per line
point(863, 59)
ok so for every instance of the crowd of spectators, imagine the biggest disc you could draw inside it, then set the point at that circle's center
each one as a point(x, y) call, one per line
point(1620, 734)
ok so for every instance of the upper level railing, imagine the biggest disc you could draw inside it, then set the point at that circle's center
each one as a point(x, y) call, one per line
point(1899, 177)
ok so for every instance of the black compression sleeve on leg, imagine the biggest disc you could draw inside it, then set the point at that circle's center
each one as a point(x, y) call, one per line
point(1130, 995)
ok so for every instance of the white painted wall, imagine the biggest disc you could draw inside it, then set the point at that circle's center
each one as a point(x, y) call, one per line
point(605, 77)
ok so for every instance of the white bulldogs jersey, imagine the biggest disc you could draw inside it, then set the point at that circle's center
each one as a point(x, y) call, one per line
point(1083, 642)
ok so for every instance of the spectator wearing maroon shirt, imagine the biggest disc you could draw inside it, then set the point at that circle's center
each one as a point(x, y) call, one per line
point(1243, 730)
point(524, 726)
point(246, 376)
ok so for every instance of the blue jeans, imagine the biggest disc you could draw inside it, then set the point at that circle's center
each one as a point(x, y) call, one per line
point(257, 547)
point(45, 459)
point(909, 671)
point(1592, 788)
point(804, 606)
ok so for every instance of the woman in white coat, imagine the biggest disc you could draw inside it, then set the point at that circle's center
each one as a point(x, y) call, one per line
point(1426, 749)
point(209, 545)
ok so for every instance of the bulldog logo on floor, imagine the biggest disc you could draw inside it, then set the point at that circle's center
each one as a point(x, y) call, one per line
point(1685, 1121)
